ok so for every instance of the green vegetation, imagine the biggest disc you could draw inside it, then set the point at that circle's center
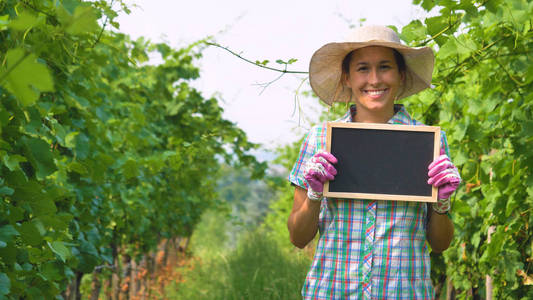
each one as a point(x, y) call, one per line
point(483, 99)
point(258, 268)
point(104, 157)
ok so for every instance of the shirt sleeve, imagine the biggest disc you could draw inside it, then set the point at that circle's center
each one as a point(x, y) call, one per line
point(314, 141)
point(444, 143)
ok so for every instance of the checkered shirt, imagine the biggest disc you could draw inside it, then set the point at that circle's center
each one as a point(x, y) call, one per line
point(368, 249)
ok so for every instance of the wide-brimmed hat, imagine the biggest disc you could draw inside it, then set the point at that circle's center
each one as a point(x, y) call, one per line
point(325, 68)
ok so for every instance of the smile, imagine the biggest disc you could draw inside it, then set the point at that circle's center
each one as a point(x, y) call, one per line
point(375, 93)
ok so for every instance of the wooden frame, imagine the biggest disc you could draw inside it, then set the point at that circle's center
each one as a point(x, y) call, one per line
point(388, 129)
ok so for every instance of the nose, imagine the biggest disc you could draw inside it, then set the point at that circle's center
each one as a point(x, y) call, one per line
point(373, 76)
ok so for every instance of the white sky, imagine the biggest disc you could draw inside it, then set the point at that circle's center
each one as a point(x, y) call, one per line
point(260, 30)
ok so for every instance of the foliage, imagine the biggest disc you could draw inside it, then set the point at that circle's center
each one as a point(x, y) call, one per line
point(242, 205)
point(233, 256)
point(247, 198)
point(483, 99)
point(275, 223)
point(257, 269)
point(100, 153)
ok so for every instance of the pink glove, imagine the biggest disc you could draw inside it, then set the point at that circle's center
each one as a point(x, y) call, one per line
point(318, 170)
point(443, 175)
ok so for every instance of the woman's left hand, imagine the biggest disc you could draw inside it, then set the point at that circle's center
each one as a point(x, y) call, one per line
point(444, 175)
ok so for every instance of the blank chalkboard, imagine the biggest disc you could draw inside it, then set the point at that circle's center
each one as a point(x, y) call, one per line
point(382, 161)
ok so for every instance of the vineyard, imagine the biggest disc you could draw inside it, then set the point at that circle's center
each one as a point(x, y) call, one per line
point(108, 163)
point(104, 159)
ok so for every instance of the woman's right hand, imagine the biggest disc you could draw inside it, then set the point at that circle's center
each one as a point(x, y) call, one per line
point(318, 170)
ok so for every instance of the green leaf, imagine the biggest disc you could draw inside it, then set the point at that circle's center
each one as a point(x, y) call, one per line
point(5, 284)
point(465, 45)
point(59, 248)
point(40, 155)
point(15, 214)
point(25, 77)
point(4, 117)
point(12, 161)
point(130, 169)
point(4, 21)
point(35, 293)
point(529, 74)
point(77, 167)
point(428, 4)
point(100, 168)
point(43, 206)
point(436, 25)
point(10, 252)
point(70, 139)
point(163, 49)
point(34, 197)
point(413, 31)
point(527, 128)
point(70, 5)
point(82, 146)
point(493, 6)
point(59, 222)
point(460, 158)
point(6, 191)
point(512, 205)
point(7, 232)
point(25, 21)
point(82, 21)
point(59, 133)
point(53, 270)
point(448, 49)
point(30, 234)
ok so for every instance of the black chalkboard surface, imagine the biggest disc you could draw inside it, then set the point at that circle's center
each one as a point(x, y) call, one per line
point(382, 161)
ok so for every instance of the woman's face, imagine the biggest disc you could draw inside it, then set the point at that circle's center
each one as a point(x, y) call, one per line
point(374, 79)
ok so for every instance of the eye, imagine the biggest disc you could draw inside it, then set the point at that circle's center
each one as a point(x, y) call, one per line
point(362, 69)
point(385, 67)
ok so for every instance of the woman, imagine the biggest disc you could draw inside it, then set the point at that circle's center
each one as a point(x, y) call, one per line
point(368, 249)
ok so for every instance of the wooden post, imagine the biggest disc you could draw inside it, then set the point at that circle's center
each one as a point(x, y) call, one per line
point(126, 277)
point(133, 288)
point(488, 279)
point(449, 289)
point(73, 289)
point(96, 284)
point(115, 276)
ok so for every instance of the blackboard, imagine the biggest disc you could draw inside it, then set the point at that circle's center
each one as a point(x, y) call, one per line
point(382, 161)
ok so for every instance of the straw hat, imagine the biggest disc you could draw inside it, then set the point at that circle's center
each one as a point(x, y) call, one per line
point(325, 68)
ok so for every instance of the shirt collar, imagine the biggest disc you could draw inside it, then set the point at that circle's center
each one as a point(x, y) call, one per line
point(401, 116)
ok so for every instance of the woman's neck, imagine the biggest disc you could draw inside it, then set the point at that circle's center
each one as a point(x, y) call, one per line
point(365, 116)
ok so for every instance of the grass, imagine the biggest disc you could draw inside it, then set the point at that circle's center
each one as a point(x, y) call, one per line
point(257, 268)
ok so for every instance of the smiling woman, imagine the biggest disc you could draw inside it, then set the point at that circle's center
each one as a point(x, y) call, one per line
point(368, 249)
point(374, 77)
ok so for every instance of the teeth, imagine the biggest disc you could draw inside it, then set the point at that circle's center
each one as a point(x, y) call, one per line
point(375, 93)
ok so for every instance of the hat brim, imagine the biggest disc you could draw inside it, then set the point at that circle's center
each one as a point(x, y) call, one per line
point(325, 69)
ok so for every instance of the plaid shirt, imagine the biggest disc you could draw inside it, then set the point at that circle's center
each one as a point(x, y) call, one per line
point(368, 249)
